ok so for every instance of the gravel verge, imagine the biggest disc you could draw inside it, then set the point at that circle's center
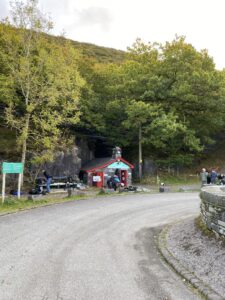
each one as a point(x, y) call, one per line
point(196, 257)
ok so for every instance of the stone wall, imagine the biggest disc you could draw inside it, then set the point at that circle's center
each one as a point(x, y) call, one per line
point(213, 208)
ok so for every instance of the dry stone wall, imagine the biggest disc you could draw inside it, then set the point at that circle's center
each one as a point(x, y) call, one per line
point(213, 208)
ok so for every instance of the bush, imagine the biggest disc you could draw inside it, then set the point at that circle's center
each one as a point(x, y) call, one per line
point(102, 191)
point(9, 201)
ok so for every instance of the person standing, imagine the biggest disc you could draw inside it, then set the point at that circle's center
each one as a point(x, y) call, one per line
point(209, 177)
point(213, 176)
point(110, 182)
point(48, 181)
point(203, 176)
point(116, 182)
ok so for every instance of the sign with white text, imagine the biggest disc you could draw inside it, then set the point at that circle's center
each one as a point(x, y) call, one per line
point(12, 168)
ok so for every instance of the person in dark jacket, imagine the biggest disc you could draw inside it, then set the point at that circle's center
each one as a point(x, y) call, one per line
point(213, 176)
point(110, 182)
point(209, 177)
point(48, 181)
point(115, 182)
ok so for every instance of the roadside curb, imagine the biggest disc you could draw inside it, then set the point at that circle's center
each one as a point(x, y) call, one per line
point(188, 276)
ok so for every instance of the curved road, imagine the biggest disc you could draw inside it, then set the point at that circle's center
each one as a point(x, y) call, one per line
point(97, 249)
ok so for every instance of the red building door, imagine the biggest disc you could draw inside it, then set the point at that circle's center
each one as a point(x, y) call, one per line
point(123, 177)
point(98, 179)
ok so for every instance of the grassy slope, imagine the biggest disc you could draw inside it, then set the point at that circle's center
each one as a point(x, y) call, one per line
point(101, 54)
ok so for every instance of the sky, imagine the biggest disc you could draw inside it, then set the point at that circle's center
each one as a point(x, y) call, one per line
point(118, 23)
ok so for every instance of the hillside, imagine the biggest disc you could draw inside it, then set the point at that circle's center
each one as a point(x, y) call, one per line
point(101, 54)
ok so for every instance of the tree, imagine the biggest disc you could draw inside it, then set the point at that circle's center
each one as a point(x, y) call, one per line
point(189, 84)
point(152, 126)
point(43, 78)
point(187, 87)
point(139, 114)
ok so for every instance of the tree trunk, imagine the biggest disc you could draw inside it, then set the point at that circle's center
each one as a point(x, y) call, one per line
point(24, 145)
point(140, 153)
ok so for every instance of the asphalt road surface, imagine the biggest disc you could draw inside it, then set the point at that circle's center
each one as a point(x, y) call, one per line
point(97, 249)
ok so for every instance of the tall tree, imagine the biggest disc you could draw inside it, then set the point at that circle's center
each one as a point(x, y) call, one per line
point(152, 126)
point(43, 78)
point(189, 84)
point(188, 88)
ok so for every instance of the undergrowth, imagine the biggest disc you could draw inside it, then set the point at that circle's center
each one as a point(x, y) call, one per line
point(171, 179)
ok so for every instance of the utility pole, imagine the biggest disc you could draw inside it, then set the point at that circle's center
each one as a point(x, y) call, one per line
point(140, 152)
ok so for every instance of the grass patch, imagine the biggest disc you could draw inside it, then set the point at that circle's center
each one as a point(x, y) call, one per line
point(169, 179)
point(12, 204)
point(102, 192)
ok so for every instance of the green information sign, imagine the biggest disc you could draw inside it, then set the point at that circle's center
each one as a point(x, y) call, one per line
point(12, 168)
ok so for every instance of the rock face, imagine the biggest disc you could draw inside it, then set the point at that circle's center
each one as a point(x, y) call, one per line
point(213, 208)
point(66, 163)
point(69, 161)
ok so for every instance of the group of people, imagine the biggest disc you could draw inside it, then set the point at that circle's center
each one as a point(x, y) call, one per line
point(42, 187)
point(114, 182)
point(211, 177)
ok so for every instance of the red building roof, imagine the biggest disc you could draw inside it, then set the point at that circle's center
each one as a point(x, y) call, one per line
point(101, 163)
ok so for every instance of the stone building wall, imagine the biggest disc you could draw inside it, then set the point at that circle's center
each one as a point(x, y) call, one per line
point(213, 208)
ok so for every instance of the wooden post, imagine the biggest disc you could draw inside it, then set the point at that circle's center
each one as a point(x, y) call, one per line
point(19, 185)
point(3, 187)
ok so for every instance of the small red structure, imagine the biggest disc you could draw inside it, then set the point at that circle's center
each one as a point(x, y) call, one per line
point(98, 171)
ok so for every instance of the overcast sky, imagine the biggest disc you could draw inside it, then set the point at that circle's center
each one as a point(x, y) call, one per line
point(117, 23)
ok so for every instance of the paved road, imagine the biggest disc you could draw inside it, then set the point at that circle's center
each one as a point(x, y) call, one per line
point(99, 249)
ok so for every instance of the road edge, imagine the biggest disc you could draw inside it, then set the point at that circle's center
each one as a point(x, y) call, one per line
point(187, 275)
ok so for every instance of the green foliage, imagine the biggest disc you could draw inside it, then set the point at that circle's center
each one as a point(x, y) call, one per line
point(43, 81)
point(102, 192)
point(192, 87)
point(7, 142)
point(9, 202)
point(178, 100)
point(171, 91)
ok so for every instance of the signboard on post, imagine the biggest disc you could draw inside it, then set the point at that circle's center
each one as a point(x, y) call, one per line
point(11, 168)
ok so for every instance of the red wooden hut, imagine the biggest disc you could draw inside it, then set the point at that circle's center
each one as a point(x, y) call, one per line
point(98, 171)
